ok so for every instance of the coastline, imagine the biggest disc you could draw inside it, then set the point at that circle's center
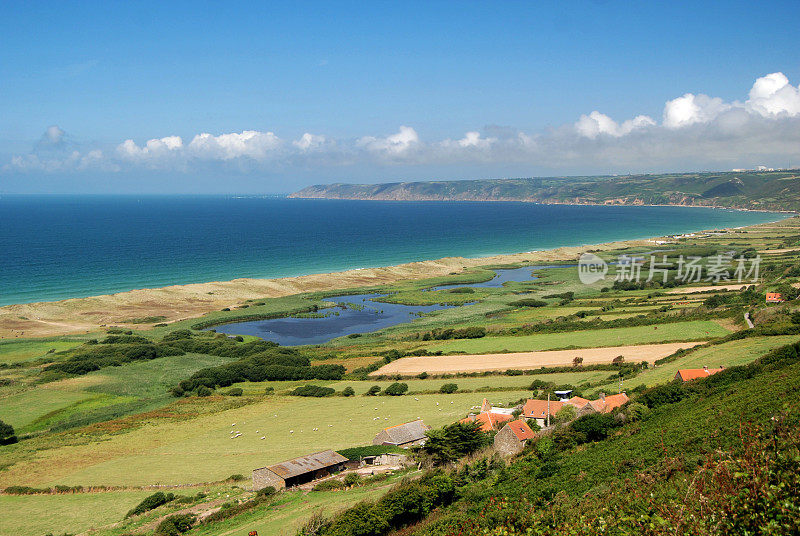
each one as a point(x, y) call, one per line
point(180, 302)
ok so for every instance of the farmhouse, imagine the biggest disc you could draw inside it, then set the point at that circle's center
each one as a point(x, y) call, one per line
point(490, 418)
point(539, 409)
point(687, 375)
point(512, 437)
point(299, 470)
point(403, 435)
point(488, 421)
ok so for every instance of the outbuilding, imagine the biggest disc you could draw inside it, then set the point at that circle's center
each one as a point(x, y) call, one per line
point(403, 435)
point(512, 437)
point(298, 470)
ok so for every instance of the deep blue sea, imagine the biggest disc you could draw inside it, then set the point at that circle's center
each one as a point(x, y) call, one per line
point(55, 247)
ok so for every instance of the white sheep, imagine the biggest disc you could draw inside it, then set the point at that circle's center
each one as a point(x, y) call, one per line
point(263, 437)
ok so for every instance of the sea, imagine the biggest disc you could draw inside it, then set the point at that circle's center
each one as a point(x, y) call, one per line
point(57, 247)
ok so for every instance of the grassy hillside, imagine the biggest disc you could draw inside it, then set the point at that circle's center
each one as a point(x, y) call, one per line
point(778, 190)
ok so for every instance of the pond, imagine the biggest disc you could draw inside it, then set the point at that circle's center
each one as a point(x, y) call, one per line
point(357, 313)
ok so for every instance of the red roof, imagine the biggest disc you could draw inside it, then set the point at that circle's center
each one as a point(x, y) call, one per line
point(521, 430)
point(488, 421)
point(537, 409)
point(693, 374)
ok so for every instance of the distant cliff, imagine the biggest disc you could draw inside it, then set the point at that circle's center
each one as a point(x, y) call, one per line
point(777, 190)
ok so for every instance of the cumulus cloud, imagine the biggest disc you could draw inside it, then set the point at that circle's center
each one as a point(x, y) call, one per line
point(595, 124)
point(696, 130)
point(396, 144)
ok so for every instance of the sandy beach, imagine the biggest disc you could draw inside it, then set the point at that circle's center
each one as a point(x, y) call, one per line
point(179, 302)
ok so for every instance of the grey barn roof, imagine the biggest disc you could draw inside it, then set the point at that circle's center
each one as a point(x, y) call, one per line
point(406, 433)
point(306, 464)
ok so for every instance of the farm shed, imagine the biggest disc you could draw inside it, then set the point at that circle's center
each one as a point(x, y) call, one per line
point(403, 435)
point(299, 470)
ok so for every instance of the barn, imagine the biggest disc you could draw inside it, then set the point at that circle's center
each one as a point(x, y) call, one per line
point(403, 435)
point(299, 470)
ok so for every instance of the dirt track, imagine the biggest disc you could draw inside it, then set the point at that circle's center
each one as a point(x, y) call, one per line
point(411, 366)
point(690, 290)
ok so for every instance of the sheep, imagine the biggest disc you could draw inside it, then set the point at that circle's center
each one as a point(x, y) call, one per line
point(263, 437)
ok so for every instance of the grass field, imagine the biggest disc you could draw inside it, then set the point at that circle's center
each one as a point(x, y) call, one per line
point(35, 515)
point(728, 354)
point(679, 331)
point(201, 449)
point(15, 351)
point(120, 390)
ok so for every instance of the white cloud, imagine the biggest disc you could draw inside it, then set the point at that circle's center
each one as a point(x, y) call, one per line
point(248, 144)
point(690, 109)
point(310, 142)
point(697, 130)
point(394, 145)
point(595, 124)
point(773, 95)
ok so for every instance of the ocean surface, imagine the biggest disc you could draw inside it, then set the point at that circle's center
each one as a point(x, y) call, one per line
point(56, 247)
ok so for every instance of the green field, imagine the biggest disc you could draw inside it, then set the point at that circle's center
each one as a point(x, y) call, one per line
point(201, 449)
point(35, 515)
point(15, 351)
point(679, 331)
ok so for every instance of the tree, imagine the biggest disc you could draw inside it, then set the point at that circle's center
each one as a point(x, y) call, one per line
point(374, 390)
point(454, 441)
point(348, 391)
point(576, 362)
point(7, 435)
point(618, 360)
point(567, 413)
point(448, 388)
point(396, 389)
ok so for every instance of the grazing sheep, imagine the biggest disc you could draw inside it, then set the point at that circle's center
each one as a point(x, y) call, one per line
point(263, 437)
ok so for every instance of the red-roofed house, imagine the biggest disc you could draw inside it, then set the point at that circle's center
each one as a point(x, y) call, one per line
point(512, 437)
point(489, 421)
point(687, 375)
point(538, 409)
point(774, 297)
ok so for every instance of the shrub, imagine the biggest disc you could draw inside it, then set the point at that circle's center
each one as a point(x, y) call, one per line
point(448, 388)
point(352, 479)
point(150, 503)
point(266, 492)
point(567, 413)
point(595, 426)
point(313, 390)
point(422, 375)
point(396, 389)
point(237, 477)
point(528, 302)
point(204, 391)
point(175, 525)
point(234, 391)
point(372, 391)
point(328, 485)
point(7, 435)
point(348, 391)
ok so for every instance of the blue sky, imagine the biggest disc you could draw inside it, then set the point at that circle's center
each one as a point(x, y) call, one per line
point(351, 75)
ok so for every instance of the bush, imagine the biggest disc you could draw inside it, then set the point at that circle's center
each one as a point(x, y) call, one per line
point(372, 391)
point(151, 502)
point(567, 413)
point(352, 479)
point(313, 390)
point(595, 426)
point(7, 435)
point(175, 525)
point(396, 389)
point(204, 391)
point(234, 391)
point(348, 391)
point(328, 485)
point(269, 491)
point(528, 302)
point(448, 388)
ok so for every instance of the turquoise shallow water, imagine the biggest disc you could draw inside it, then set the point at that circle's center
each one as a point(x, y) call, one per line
point(56, 247)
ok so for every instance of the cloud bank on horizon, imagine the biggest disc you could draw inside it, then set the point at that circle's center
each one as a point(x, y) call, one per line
point(695, 129)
